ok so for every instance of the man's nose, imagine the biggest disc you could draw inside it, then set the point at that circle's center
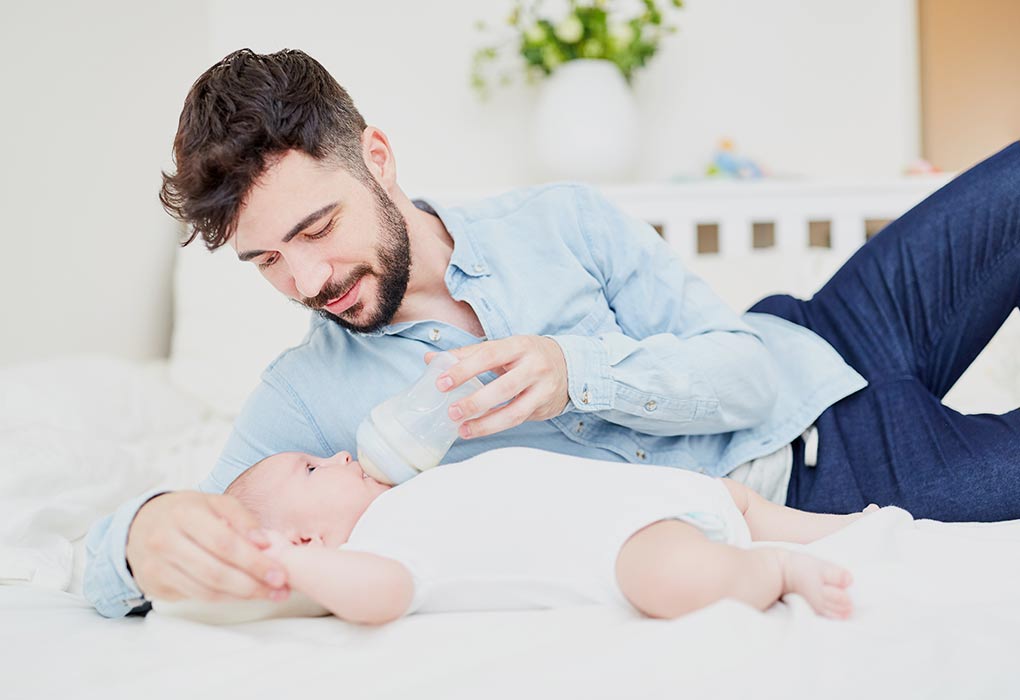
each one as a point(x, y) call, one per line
point(310, 275)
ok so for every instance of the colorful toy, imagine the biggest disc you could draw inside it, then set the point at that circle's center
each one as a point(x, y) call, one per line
point(728, 163)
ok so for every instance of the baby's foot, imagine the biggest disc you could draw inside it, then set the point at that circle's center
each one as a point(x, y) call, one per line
point(822, 583)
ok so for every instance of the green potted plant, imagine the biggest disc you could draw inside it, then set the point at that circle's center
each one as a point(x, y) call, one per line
point(593, 30)
point(585, 123)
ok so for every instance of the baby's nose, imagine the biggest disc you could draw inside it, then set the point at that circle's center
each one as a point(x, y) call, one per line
point(343, 457)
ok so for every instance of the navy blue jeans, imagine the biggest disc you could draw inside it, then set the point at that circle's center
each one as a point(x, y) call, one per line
point(910, 311)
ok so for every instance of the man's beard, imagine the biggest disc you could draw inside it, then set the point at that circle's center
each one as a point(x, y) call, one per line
point(394, 259)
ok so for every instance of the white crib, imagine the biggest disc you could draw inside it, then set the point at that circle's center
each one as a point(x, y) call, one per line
point(733, 218)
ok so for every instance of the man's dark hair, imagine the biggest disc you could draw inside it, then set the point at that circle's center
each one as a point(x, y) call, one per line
point(238, 117)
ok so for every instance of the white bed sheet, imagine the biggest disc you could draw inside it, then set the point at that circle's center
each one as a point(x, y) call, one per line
point(938, 617)
point(938, 605)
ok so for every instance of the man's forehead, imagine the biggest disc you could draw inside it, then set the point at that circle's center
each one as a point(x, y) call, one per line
point(291, 189)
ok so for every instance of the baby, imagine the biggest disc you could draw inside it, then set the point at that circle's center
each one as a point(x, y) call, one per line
point(520, 528)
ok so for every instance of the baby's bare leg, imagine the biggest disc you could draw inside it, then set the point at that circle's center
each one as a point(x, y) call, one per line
point(775, 523)
point(670, 568)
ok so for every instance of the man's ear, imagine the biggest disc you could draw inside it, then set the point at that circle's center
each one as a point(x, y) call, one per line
point(378, 156)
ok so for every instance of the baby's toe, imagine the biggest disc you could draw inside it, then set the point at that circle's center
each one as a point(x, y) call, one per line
point(837, 576)
point(837, 603)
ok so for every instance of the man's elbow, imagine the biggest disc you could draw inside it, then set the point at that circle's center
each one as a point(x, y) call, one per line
point(763, 387)
point(755, 394)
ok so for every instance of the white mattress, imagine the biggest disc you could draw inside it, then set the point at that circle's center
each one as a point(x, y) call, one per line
point(938, 605)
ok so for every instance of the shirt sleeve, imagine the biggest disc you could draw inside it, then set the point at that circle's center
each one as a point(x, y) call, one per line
point(107, 583)
point(683, 362)
point(274, 419)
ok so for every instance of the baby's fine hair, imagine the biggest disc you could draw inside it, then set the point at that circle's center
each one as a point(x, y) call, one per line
point(252, 491)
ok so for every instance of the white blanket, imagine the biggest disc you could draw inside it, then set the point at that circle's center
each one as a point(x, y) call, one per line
point(938, 606)
point(938, 614)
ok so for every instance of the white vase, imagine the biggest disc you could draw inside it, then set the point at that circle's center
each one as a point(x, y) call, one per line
point(586, 124)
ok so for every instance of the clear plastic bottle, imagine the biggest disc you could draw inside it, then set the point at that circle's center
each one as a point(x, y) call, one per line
point(412, 431)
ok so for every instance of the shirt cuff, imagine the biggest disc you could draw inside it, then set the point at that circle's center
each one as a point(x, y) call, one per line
point(109, 585)
point(588, 382)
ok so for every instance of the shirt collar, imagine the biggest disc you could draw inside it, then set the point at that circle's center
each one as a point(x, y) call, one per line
point(467, 256)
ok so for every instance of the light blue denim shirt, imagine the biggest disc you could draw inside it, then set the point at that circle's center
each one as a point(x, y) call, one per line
point(660, 370)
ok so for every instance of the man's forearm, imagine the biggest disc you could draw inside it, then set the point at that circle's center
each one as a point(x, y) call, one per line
point(354, 586)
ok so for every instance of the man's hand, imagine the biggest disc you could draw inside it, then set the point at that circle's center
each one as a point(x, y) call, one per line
point(533, 379)
point(188, 544)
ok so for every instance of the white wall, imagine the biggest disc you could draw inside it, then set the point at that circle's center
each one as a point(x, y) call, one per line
point(824, 87)
point(92, 95)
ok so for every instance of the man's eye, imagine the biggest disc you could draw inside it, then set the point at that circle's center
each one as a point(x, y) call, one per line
point(268, 262)
point(323, 233)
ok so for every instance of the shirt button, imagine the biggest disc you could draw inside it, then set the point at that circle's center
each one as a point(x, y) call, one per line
point(701, 470)
point(651, 406)
point(580, 427)
point(585, 397)
point(641, 454)
point(434, 334)
point(478, 268)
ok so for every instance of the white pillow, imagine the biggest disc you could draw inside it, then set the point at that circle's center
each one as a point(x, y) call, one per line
point(229, 324)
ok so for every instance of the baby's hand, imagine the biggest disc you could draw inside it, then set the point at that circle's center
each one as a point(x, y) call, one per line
point(278, 544)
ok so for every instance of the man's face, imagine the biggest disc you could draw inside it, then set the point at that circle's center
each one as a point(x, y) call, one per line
point(326, 239)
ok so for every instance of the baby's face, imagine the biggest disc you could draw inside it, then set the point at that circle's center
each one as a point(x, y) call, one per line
point(316, 498)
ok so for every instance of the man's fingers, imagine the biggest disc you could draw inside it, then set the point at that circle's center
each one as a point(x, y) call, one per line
point(489, 396)
point(509, 416)
point(231, 509)
point(184, 586)
point(216, 575)
point(472, 360)
point(219, 538)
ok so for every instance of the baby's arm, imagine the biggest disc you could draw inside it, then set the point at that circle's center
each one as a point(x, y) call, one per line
point(355, 586)
point(775, 523)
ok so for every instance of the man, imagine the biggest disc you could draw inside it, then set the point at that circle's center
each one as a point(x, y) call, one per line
point(591, 337)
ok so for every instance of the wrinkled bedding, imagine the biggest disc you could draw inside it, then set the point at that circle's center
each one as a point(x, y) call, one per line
point(938, 605)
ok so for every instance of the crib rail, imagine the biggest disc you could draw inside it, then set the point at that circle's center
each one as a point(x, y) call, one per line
point(732, 218)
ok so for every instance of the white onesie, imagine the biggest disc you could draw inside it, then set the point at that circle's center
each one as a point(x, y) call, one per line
point(522, 528)
point(510, 529)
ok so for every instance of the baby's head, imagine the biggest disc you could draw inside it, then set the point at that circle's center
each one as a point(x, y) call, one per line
point(307, 498)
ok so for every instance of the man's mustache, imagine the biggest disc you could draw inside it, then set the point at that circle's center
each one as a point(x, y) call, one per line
point(335, 290)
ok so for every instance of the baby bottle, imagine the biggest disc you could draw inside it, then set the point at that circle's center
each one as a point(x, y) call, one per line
point(412, 431)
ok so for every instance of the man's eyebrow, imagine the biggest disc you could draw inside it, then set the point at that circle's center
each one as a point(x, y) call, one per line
point(298, 228)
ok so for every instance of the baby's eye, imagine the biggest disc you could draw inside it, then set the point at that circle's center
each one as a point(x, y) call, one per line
point(310, 467)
